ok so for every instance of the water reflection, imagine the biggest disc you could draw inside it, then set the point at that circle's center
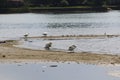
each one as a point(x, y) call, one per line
point(69, 25)
point(16, 25)
point(96, 45)
point(63, 71)
point(59, 24)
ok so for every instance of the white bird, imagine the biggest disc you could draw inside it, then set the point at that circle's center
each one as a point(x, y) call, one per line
point(45, 34)
point(26, 36)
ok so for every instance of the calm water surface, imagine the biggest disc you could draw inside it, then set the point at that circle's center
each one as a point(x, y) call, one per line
point(63, 71)
point(98, 45)
point(13, 26)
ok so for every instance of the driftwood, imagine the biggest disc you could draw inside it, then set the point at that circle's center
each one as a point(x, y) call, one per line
point(2, 41)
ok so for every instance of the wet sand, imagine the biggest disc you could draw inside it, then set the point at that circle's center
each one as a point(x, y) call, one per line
point(10, 53)
point(114, 74)
point(75, 36)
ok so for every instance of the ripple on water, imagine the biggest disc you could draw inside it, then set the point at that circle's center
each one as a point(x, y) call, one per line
point(64, 71)
point(95, 45)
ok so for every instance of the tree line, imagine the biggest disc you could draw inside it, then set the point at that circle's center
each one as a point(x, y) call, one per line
point(66, 2)
point(54, 3)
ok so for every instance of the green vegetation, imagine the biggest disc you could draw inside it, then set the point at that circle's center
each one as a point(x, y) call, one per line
point(63, 3)
point(59, 3)
point(28, 5)
point(56, 3)
point(3, 3)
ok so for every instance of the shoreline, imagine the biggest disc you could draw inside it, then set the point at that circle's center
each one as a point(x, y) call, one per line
point(54, 10)
point(10, 53)
point(62, 37)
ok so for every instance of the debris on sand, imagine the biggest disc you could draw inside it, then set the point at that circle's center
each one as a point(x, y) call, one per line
point(3, 56)
point(2, 41)
point(53, 65)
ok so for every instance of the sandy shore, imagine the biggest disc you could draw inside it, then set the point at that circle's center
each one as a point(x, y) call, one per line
point(10, 53)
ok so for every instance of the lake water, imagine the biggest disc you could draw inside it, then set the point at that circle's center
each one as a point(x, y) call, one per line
point(100, 46)
point(13, 26)
point(63, 71)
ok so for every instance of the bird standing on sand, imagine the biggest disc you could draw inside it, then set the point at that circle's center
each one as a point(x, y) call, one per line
point(48, 45)
point(71, 48)
point(45, 34)
point(26, 36)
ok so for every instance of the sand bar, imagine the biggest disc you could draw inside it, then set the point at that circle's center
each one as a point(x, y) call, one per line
point(10, 53)
point(64, 37)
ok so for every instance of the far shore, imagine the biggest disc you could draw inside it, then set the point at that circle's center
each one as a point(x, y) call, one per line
point(72, 9)
point(10, 53)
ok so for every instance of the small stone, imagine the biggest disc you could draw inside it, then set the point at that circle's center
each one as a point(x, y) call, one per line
point(3, 56)
point(112, 63)
point(53, 65)
point(43, 70)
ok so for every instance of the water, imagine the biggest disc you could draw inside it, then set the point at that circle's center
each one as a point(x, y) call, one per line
point(13, 26)
point(63, 71)
point(98, 45)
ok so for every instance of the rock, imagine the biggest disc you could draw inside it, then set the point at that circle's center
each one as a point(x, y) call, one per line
point(3, 56)
point(53, 65)
point(2, 41)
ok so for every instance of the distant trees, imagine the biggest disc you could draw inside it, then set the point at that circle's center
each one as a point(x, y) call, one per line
point(15, 4)
point(66, 2)
point(77, 2)
point(56, 3)
point(95, 2)
point(3, 3)
point(10, 3)
point(48, 2)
